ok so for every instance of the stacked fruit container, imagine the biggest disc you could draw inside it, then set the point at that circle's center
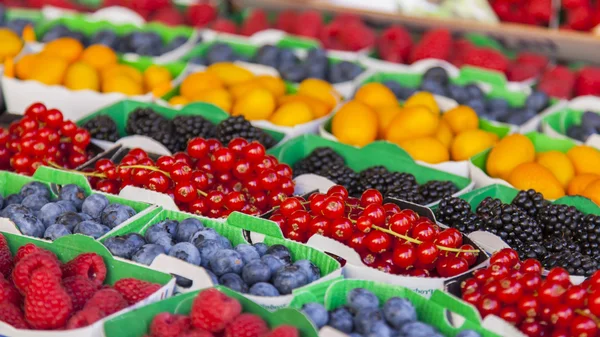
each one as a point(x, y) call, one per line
point(181, 170)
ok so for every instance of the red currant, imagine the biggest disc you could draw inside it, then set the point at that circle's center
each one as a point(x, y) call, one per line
point(533, 328)
point(68, 129)
point(427, 252)
point(562, 315)
point(489, 305)
point(180, 172)
point(254, 152)
point(235, 201)
point(510, 315)
point(498, 271)
point(424, 231)
point(400, 223)
point(341, 229)
point(378, 242)
point(223, 159)
point(319, 225)
point(286, 185)
point(53, 118)
point(356, 242)
point(215, 199)
point(299, 220)
point(283, 170)
point(77, 159)
point(371, 196)
point(582, 326)
point(531, 265)
point(36, 110)
point(531, 281)
point(237, 145)
point(317, 202)
point(510, 290)
point(338, 189)
point(364, 223)
point(550, 293)
point(472, 296)
point(108, 186)
point(405, 255)
point(575, 297)
point(528, 306)
point(376, 212)
point(268, 180)
point(560, 276)
point(333, 208)
point(198, 206)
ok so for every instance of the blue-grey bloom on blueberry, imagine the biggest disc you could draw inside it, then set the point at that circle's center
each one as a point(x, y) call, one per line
point(13, 199)
point(56, 231)
point(341, 319)
point(207, 249)
point(226, 261)
point(14, 209)
point(267, 55)
point(417, 329)
point(72, 193)
point(112, 216)
point(263, 289)
point(35, 187)
point(474, 91)
point(204, 234)
point(163, 228)
point(380, 329)
point(28, 224)
point(219, 52)
point(234, 282)
point(468, 333)
point(366, 318)
point(147, 254)
point(282, 252)
point(224, 242)
point(313, 272)
point(289, 278)
point(187, 228)
point(273, 262)
point(67, 205)
point(437, 74)
point(213, 277)
point(85, 216)
point(187, 252)
point(261, 248)
point(34, 202)
point(69, 220)
point(94, 205)
point(256, 271)
point(125, 246)
point(316, 313)
point(248, 252)
point(49, 213)
point(360, 299)
point(91, 228)
point(166, 242)
point(399, 311)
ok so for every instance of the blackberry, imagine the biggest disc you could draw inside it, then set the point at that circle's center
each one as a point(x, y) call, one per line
point(103, 128)
point(530, 201)
point(171, 141)
point(190, 127)
point(377, 177)
point(486, 207)
point(452, 210)
point(559, 220)
point(575, 263)
point(588, 235)
point(341, 175)
point(529, 250)
point(234, 127)
point(145, 121)
point(510, 223)
point(401, 180)
point(318, 159)
point(559, 244)
point(435, 190)
point(408, 193)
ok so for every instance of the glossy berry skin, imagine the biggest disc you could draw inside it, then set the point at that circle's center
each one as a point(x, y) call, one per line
point(341, 229)
point(223, 159)
point(582, 326)
point(378, 242)
point(333, 208)
point(404, 255)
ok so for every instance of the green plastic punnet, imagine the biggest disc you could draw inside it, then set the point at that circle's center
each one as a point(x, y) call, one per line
point(67, 248)
point(13, 13)
point(137, 323)
point(557, 121)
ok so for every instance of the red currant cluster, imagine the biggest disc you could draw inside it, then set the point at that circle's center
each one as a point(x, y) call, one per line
point(388, 238)
point(42, 137)
point(515, 291)
point(210, 179)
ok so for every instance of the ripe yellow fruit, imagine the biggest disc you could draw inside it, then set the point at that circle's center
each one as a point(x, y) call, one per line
point(321, 90)
point(592, 192)
point(240, 89)
point(509, 153)
point(10, 43)
point(66, 47)
point(578, 184)
point(292, 114)
point(469, 143)
point(444, 134)
point(559, 164)
point(585, 159)
point(461, 118)
point(427, 149)
point(48, 69)
point(99, 56)
point(535, 176)
point(257, 104)
point(423, 98)
point(122, 84)
point(229, 73)
point(82, 76)
point(156, 76)
point(122, 69)
point(412, 122)
point(385, 115)
point(376, 96)
point(274, 84)
point(355, 124)
point(198, 82)
point(24, 66)
point(319, 108)
point(178, 100)
point(219, 97)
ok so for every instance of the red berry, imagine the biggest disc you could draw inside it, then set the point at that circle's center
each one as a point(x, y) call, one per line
point(180, 172)
point(319, 225)
point(378, 242)
point(510, 290)
point(235, 201)
point(223, 159)
point(198, 206)
point(560, 276)
point(532, 328)
point(213, 311)
point(134, 290)
point(472, 296)
point(333, 208)
point(427, 253)
point(489, 305)
point(237, 145)
point(424, 231)
point(286, 185)
point(68, 129)
point(593, 302)
point(371, 196)
point(299, 221)
point(80, 289)
point(364, 224)
point(405, 255)
point(81, 138)
point(276, 198)
point(470, 257)
point(575, 297)
point(290, 205)
point(582, 326)
point(8, 292)
point(498, 271)
point(341, 229)
point(268, 180)
point(376, 213)
point(158, 181)
point(532, 265)
point(36, 110)
point(89, 265)
point(108, 300)
point(446, 239)
point(254, 152)
point(531, 281)
point(25, 267)
point(165, 162)
point(12, 314)
point(338, 189)
point(528, 306)
point(169, 325)
point(562, 315)
point(47, 304)
point(284, 171)
point(400, 223)
point(510, 315)
point(317, 202)
point(550, 293)
point(53, 118)
point(247, 325)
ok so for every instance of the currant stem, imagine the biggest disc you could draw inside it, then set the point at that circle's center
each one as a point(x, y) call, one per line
point(151, 168)
point(588, 315)
point(87, 174)
point(413, 240)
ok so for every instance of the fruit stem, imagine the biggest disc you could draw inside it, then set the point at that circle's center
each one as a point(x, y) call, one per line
point(588, 315)
point(150, 168)
point(87, 174)
point(202, 193)
point(413, 240)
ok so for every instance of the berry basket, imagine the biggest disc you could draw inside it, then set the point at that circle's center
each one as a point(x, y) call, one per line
point(437, 312)
point(574, 120)
point(234, 230)
point(68, 248)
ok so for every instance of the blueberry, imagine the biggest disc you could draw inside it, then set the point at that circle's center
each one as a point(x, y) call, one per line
point(316, 55)
point(94, 205)
point(15, 209)
point(212, 276)
point(219, 52)
point(234, 282)
point(417, 329)
point(497, 104)
point(121, 247)
point(34, 202)
point(267, 55)
point(147, 253)
point(135, 239)
point(204, 234)
point(1, 202)
point(289, 278)
point(537, 101)
point(394, 86)
point(380, 329)
point(316, 70)
point(474, 91)
point(157, 230)
point(263, 289)
point(226, 261)
point(293, 72)
point(69, 220)
point(366, 318)
point(115, 214)
point(580, 132)
point(49, 213)
point(106, 37)
point(477, 104)
point(91, 228)
point(313, 272)
point(343, 71)
point(18, 25)
point(247, 252)
point(166, 242)
point(316, 313)
point(85, 216)
point(187, 252)
point(224, 242)
point(341, 319)
point(67, 206)
point(280, 251)
point(519, 116)
point(273, 262)
point(458, 93)
point(261, 248)
point(29, 225)
point(468, 333)
point(177, 42)
point(287, 57)
point(437, 74)
point(187, 228)
point(72, 193)
point(207, 249)
point(256, 271)
point(356, 334)
point(13, 199)
point(56, 231)
point(199, 60)
point(35, 187)
point(360, 299)
point(433, 87)
point(55, 32)
point(406, 92)
point(398, 311)
point(591, 118)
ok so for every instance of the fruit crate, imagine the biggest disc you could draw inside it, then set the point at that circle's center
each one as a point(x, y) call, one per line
point(437, 311)
point(137, 322)
point(73, 104)
point(570, 114)
point(54, 179)
point(68, 247)
point(238, 229)
point(377, 153)
point(541, 142)
point(119, 112)
point(89, 28)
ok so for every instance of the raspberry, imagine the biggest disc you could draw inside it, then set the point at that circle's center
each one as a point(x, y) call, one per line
point(224, 26)
point(284, 331)
point(357, 36)
point(134, 290)
point(394, 44)
point(212, 310)
point(257, 21)
point(6, 259)
point(487, 58)
point(90, 265)
point(85, 317)
point(436, 44)
point(107, 300)
point(201, 14)
point(24, 269)
point(25, 250)
point(47, 304)
point(81, 289)
point(8, 292)
point(286, 21)
point(537, 60)
point(521, 72)
point(588, 82)
point(196, 333)
point(169, 325)
point(247, 325)
point(309, 24)
point(11, 314)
